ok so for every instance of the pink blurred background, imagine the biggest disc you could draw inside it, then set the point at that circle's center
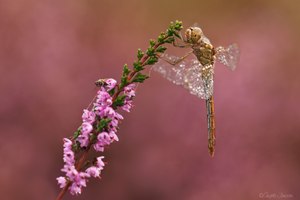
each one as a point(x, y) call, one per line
point(51, 52)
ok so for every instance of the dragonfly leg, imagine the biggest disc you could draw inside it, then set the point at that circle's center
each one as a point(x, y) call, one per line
point(182, 45)
point(178, 60)
point(176, 44)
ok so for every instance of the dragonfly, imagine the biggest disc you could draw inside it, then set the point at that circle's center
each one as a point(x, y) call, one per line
point(196, 74)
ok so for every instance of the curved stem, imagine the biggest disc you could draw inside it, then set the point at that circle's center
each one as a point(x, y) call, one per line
point(119, 90)
point(132, 74)
point(63, 191)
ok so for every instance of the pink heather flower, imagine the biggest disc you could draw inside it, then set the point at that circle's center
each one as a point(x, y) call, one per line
point(86, 128)
point(103, 98)
point(98, 147)
point(127, 105)
point(106, 112)
point(70, 171)
point(114, 123)
point(78, 180)
point(93, 171)
point(118, 116)
point(111, 83)
point(75, 189)
point(113, 135)
point(77, 184)
point(62, 182)
point(83, 140)
point(67, 143)
point(103, 139)
point(68, 156)
point(129, 90)
point(88, 116)
point(100, 162)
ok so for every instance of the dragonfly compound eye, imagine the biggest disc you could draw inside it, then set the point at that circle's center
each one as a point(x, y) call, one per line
point(193, 34)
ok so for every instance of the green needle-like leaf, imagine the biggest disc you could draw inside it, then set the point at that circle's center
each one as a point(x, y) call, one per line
point(139, 78)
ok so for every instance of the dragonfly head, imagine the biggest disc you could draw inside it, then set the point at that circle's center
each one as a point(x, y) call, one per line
point(193, 35)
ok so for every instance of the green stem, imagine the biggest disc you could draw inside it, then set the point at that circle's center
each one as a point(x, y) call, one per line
point(133, 73)
point(119, 89)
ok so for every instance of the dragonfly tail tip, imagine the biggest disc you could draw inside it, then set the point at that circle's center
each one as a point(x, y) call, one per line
point(211, 153)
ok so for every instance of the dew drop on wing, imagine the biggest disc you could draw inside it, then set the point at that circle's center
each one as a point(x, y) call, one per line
point(187, 73)
point(228, 56)
point(194, 82)
point(172, 73)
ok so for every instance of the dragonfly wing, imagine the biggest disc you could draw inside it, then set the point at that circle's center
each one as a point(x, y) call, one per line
point(196, 82)
point(228, 56)
point(173, 73)
point(205, 40)
point(209, 83)
point(187, 73)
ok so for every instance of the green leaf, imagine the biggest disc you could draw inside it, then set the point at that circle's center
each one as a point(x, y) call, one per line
point(77, 133)
point(125, 74)
point(119, 101)
point(140, 54)
point(161, 49)
point(170, 40)
point(161, 37)
point(171, 25)
point(152, 60)
point(138, 66)
point(111, 92)
point(170, 32)
point(178, 25)
point(124, 81)
point(75, 147)
point(103, 124)
point(150, 51)
point(152, 43)
point(140, 78)
point(126, 70)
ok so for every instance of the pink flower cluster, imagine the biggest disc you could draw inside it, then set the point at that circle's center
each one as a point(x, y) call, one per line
point(102, 110)
point(129, 91)
point(76, 178)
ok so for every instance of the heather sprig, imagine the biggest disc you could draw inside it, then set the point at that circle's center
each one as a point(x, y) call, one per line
point(100, 124)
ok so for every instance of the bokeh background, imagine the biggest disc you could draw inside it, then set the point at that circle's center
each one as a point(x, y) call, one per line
point(51, 52)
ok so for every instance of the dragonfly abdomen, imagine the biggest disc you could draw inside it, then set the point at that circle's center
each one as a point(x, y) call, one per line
point(211, 125)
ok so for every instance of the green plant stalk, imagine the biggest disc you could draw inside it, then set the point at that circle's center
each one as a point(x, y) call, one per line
point(149, 57)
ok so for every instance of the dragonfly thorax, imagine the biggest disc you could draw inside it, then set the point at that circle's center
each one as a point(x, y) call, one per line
point(193, 35)
point(205, 54)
